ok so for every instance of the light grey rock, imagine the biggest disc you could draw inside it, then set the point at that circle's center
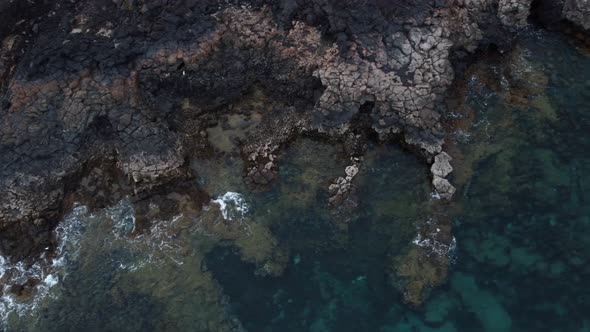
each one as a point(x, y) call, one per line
point(443, 187)
point(578, 11)
point(442, 166)
point(351, 171)
point(514, 13)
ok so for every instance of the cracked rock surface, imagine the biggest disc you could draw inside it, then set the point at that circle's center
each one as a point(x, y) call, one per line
point(132, 84)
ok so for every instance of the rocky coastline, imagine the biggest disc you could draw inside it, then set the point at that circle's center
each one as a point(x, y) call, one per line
point(106, 99)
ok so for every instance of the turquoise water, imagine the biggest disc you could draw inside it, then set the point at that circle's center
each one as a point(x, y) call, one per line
point(520, 133)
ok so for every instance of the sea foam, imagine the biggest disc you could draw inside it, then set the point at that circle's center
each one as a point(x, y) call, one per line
point(46, 272)
point(232, 205)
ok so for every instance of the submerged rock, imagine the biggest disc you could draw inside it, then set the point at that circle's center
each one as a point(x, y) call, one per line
point(488, 309)
point(416, 273)
point(437, 309)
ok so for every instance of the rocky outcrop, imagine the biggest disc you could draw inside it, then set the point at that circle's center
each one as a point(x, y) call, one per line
point(514, 13)
point(138, 82)
point(86, 89)
point(440, 169)
point(442, 166)
point(578, 12)
point(425, 264)
point(552, 12)
point(343, 193)
point(443, 187)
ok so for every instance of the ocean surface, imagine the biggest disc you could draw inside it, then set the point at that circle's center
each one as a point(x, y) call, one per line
point(281, 261)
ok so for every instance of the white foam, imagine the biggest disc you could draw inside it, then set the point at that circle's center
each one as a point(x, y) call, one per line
point(114, 227)
point(123, 217)
point(434, 246)
point(161, 245)
point(462, 136)
point(48, 272)
point(51, 280)
point(232, 205)
point(156, 246)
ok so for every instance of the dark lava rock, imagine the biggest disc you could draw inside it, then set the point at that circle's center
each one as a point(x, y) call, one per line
point(131, 84)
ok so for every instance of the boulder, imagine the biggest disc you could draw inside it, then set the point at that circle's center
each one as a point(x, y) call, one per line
point(442, 166)
point(443, 187)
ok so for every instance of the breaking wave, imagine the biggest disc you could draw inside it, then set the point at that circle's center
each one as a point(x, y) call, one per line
point(112, 229)
point(40, 278)
point(156, 245)
point(232, 205)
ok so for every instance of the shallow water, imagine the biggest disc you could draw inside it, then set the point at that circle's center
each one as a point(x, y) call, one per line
point(283, 262)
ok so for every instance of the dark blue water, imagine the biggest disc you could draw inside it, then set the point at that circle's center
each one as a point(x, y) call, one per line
point(520, 133)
